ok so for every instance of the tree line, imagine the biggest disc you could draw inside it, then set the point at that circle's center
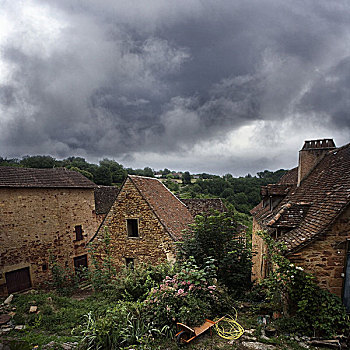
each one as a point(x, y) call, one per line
point(241, 192)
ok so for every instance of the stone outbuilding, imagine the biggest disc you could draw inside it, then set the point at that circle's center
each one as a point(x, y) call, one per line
point(143, 223)
point(45, 213)
point(308, 210)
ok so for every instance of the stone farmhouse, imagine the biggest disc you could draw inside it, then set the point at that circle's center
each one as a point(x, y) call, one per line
point(145, 221)
point(309, 211)
point(45, 212)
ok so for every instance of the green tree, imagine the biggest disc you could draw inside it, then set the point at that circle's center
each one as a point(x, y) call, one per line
point(186, 178)
point(38, 162)
point(103, 176)
point(147, 171)
point(117, 170)
point(217, 236)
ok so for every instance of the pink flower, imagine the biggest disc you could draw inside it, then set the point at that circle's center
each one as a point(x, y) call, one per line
point(183, 283)
point(212, 287)
point(180, 291)
point(191, 287)
point(188, 282)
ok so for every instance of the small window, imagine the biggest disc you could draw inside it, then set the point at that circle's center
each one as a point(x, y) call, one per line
point(44, 266)
point(132, 227)
point(129, 262)
point(78, 233)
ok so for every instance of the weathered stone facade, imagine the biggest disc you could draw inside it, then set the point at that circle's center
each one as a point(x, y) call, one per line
point(152, 246)
point(39, 222)
point(155, 241)
point(326, 256)
point(258, 250)
point(312, 219)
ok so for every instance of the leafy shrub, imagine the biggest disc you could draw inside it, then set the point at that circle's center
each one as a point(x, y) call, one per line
point(188, 296)
point(135, 284)
point(218, 236)
point(120, 327)
point(64, 279)
point(313, 311)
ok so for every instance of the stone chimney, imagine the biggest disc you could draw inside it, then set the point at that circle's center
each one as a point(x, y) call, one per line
point(310, 155)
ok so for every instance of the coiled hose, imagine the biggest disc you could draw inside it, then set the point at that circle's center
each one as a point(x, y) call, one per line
point(228, 328)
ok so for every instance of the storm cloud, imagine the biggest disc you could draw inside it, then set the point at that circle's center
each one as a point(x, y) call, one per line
point(224, 86)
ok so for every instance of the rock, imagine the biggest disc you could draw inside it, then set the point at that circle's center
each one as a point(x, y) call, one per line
point(264, 337)
point(8, 300)
point(33, 309)
point(258, 346)
point(4, 318)
point(330, 344)
point(69, 346)
point(249, 331)
point(304, 345)
point(20, 327)
point(5, 330)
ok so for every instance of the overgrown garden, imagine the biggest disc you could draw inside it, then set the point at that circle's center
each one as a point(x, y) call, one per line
point(137, 308)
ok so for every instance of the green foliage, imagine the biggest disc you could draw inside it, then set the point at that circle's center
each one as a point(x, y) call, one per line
point(103, 271)
point(120, 327)
point(217, 236)
point(188, 296)
point(313, 311)
point(83, 172)
point(186, 178)
point(64, 279)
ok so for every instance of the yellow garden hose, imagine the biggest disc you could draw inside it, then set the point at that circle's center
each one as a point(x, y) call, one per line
point(228, 328)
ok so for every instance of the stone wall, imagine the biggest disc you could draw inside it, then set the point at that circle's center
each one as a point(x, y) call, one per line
point(258, 250)
point(153, 245)
point(36, 223)
point(325, 258)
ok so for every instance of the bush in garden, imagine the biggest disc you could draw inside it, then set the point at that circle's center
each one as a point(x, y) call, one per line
point(188, 296)
point(308, 308)
point(120, 327)
point(135, 284)
point(217, 236)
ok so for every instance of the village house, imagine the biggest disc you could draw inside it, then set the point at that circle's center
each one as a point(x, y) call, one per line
point(46, 213)
point(308, 210)
point(145, 221)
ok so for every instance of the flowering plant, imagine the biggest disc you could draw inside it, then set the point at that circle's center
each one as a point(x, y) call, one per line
point(187, 296)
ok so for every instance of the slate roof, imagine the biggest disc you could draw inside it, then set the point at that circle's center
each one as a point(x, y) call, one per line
point(199, 206)
point(104, 198)
point(312, 207)
point(171, 212)
point(48, 178)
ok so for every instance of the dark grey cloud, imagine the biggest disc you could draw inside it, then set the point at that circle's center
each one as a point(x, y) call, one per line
point(155, 80)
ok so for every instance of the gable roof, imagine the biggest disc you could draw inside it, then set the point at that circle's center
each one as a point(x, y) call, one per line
point(104, 198)
point(200, 206)
point(310, 208)
point(171, 212)
point(48, 178)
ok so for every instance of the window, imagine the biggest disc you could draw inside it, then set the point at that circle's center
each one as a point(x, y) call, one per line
point(132, 227)
point(78, 233)
point(44, 266)
point(129, 262)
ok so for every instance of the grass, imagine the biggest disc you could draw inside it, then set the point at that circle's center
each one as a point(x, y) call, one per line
point(56, 318)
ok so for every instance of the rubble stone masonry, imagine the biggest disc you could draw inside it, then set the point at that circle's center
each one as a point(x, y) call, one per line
point(154, 245)
point(39, 222)
point(325, 257)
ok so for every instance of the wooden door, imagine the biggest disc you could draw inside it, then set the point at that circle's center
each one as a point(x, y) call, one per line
point(18, 280)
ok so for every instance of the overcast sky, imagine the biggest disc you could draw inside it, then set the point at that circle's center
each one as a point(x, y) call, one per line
point(205, 86)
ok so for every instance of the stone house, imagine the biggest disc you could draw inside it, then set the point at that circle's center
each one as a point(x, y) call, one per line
point(44, 212)
point(308, 210)
point(145, 221)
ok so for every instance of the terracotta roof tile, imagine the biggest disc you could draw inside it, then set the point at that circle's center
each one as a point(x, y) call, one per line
point(104, 198)
point(172, 213)
point(30, 177)
point(325, 191)
point(200, 206)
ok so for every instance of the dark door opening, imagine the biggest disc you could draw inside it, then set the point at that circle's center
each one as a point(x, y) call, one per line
point(80, 262)
point(18, 280)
